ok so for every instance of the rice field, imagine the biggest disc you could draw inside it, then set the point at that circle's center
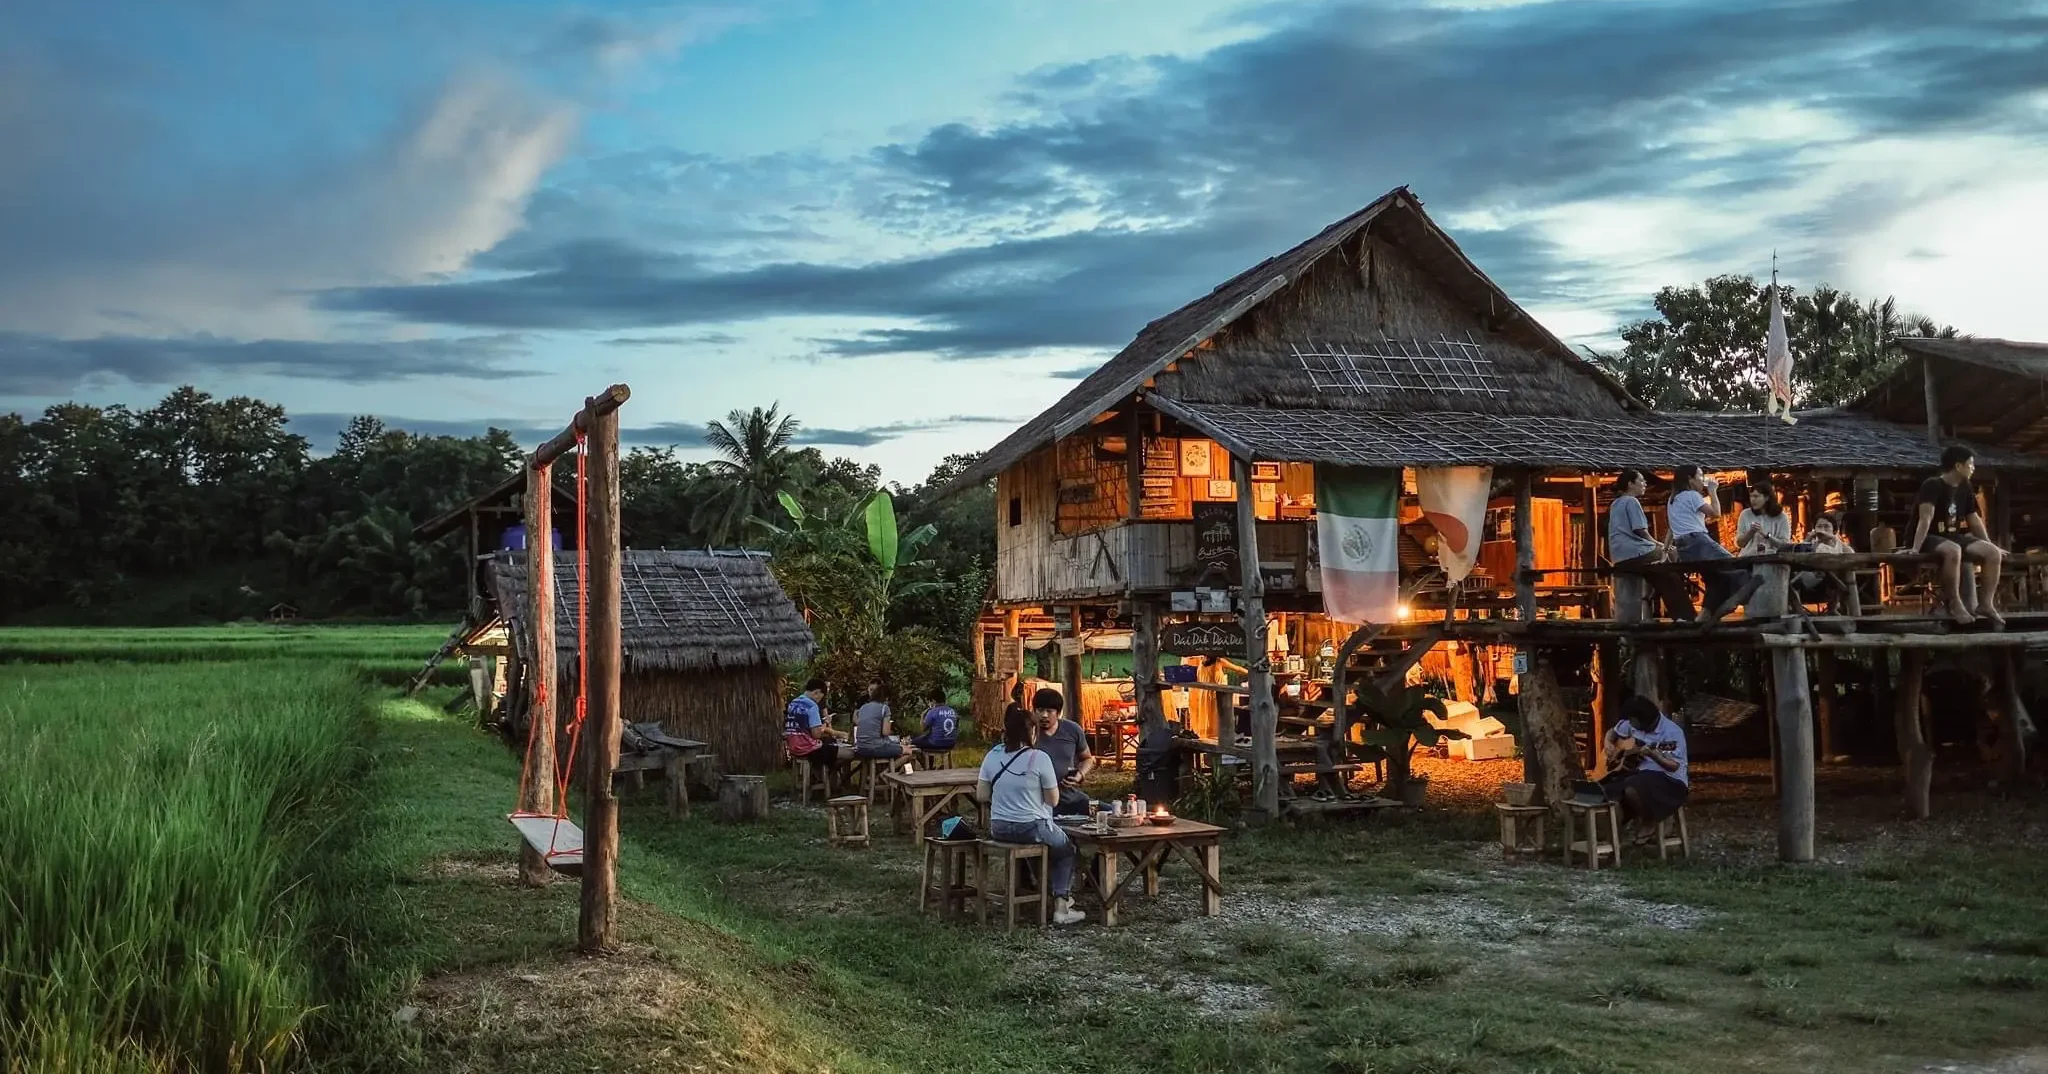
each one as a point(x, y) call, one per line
point(388, 654)
point(175, 840)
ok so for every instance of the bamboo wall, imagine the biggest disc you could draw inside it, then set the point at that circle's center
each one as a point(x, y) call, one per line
point(738, 713)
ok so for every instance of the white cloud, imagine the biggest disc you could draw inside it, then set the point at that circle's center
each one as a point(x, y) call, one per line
point(1970, 258)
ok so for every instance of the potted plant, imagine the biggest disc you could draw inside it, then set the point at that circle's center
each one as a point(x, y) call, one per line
point(1510, 716)
point(1401, 721)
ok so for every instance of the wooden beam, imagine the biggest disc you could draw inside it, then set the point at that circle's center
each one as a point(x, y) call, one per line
point(1933, 406)
point(1980, 639)
point(1792, 716)
point(597, 925)
point(1265, 712)
point(1916, 758)
point(1070, 667)
point(585, 422)
point(540, 674)
point(1525, 549)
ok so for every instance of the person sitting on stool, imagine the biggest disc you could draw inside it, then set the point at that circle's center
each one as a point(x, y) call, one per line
point(1067, 745)
point(1648, 772)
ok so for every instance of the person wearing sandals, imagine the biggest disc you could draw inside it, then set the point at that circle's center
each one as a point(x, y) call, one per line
point(1019, 785)
point(1696, 503)
point(1630, 544)
point(1948, 526)
point(1649, 771)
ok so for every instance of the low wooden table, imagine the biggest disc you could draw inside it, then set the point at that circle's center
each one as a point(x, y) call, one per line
point(929, 792)
point(1144, 849)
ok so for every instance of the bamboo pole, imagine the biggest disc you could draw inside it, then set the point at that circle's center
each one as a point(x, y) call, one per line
point(540, 673)
point(597, 927)
point(1265, 713)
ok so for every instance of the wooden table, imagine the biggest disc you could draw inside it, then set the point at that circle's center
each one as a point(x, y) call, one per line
point(928, 792)
point(1144, 849)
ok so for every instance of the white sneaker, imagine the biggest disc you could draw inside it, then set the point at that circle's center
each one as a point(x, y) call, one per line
point(1063, 913)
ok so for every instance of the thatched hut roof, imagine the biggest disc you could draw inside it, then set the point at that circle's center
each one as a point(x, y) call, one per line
point(1825, 439)
point(1402, 273)
point(680, 610)
point(1991, 390)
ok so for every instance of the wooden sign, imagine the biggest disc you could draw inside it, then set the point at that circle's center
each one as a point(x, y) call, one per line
point(1009, 656)
point(1071, 647)
point(1216, 538)
point(1223, 638)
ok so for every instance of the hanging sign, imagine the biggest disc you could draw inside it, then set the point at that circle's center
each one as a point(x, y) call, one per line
point(1071, 646)
point(1521, 664)
point(1009, 656)
point(1203, 639)
point(1216, 539)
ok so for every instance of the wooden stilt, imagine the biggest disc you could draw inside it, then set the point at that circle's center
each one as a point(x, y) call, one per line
point(2014, 724)
point(597, 928)
point(1916, 758)
point(1792, 719)
point(540, 674)
point(1548, 759)
point(1145, 667)
point(1265, 712)
point(1607, 696)
point(1826, 672)
point(1525, 547)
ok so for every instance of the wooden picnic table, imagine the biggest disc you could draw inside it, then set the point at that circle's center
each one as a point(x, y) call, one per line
point(1144, 849)
point(929, 792)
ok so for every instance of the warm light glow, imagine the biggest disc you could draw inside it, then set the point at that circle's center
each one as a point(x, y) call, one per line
point(1404, 611)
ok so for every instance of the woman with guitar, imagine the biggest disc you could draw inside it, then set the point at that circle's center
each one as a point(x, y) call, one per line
point(1647, 767)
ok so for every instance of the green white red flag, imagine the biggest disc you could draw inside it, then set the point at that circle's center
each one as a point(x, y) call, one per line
point(1358, 512)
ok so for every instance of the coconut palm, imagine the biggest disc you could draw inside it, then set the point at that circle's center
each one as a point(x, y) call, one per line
point(753, 467)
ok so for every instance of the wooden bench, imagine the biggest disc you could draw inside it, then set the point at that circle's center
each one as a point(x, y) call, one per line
point(1010, 884)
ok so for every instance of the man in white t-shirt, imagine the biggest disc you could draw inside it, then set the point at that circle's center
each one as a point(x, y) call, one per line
point(1697, 502)
point(1650, 768)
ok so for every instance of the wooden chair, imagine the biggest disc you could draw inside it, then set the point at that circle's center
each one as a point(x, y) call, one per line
point(1667, 839)
point(846, 821)
point(952, 876)
point(1592, 847)
point(1010, 883)
point(930, 759)
point(1521, 828)
point(806, 769)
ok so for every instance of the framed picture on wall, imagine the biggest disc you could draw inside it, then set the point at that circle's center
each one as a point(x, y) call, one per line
point(1222, 488)
point(1265, 471)
point(1195, 460)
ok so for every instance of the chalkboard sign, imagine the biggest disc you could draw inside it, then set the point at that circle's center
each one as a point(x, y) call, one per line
point(1216, 539)
point(1222, 638)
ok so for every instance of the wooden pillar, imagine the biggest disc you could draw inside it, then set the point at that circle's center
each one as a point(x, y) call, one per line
point(1932, 404)
point(539, 794)
point(1589, 554)
point(1792, 716)
point(1070, 666)
point(1826, 674)
point(1548, 759)
point(1145, 667)
point(1647, 676)
point(1916, 758)
point(597, 927)
point(475, 605)
point(2014, 725)
point(1607, 693)
point(1265, 713)
point(1525, 548)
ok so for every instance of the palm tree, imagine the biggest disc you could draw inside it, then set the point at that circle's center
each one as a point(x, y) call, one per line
point(753, 467)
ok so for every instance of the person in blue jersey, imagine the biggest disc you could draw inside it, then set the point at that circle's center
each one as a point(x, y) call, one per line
point(941, 731)
point(804, 728)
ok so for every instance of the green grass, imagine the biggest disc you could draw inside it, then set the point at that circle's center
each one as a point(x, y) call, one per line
point(389, 655)
point(175, 842)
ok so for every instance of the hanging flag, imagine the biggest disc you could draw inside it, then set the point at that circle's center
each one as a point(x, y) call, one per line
point(1778, 362)
point(1454, 501)
point(1357, 531)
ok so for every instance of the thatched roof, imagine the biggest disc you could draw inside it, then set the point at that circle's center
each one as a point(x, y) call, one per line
point(1830, 439)
point(1403, 273)
point(680, 610)
point(1990, 390)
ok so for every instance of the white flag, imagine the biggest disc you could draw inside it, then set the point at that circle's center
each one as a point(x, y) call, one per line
point(1778, 363)
point(1454, 501)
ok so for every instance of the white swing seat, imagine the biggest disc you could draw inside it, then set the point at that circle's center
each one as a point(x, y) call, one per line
point(557, 839)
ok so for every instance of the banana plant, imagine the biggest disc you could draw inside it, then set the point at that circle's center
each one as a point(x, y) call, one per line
point(1401, 719)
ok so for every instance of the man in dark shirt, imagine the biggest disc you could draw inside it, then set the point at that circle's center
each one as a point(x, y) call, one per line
point(1948, 526)
point(1063, 741)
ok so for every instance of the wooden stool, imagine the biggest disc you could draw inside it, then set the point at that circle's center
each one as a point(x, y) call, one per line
point(1592, 846)
point(1666, 840)
point(872, 785)
point(1014, 856)
point(846, 821)
point(1517, 821)
point(952, 873)
point(930, 759)
point(805, 769)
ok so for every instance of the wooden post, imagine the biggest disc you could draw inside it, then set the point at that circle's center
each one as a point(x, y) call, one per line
point(1265, 713)
point(1648, 675)
point(1792, 715)
point(1548, 759)
point(597, 928)
point(1826, 675)
point(1933, 406)
point(475, 606)
point(2014, 725)
point(540, 672)
point(1525, 548)
point(1608, 693)
point(1070, 667)
point(1145, 667)
point(1916, 759)
point(1589, 554)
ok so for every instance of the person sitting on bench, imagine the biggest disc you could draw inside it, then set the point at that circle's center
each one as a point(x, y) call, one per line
point(1698, 502)
point(1817, 587)
point(941, 724)
point(1948, 526)
point(873, 735)
point(1631, 544)
point(1648, 772)
point(1017, 781)
point(804, 729)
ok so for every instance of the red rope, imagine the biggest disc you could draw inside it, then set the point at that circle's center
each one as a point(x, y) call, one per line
point(582, 625)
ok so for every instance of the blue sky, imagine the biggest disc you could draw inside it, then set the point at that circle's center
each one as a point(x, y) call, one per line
point(910, 222)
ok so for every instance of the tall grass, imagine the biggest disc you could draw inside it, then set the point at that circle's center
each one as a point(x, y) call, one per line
point(169, 835)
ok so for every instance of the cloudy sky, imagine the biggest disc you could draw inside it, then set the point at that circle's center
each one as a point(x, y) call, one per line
point(912, 222)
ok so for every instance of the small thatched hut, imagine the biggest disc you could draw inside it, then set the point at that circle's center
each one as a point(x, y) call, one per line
point(703, 634)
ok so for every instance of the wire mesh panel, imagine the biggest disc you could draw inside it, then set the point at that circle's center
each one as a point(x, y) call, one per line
point(1400, 366)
